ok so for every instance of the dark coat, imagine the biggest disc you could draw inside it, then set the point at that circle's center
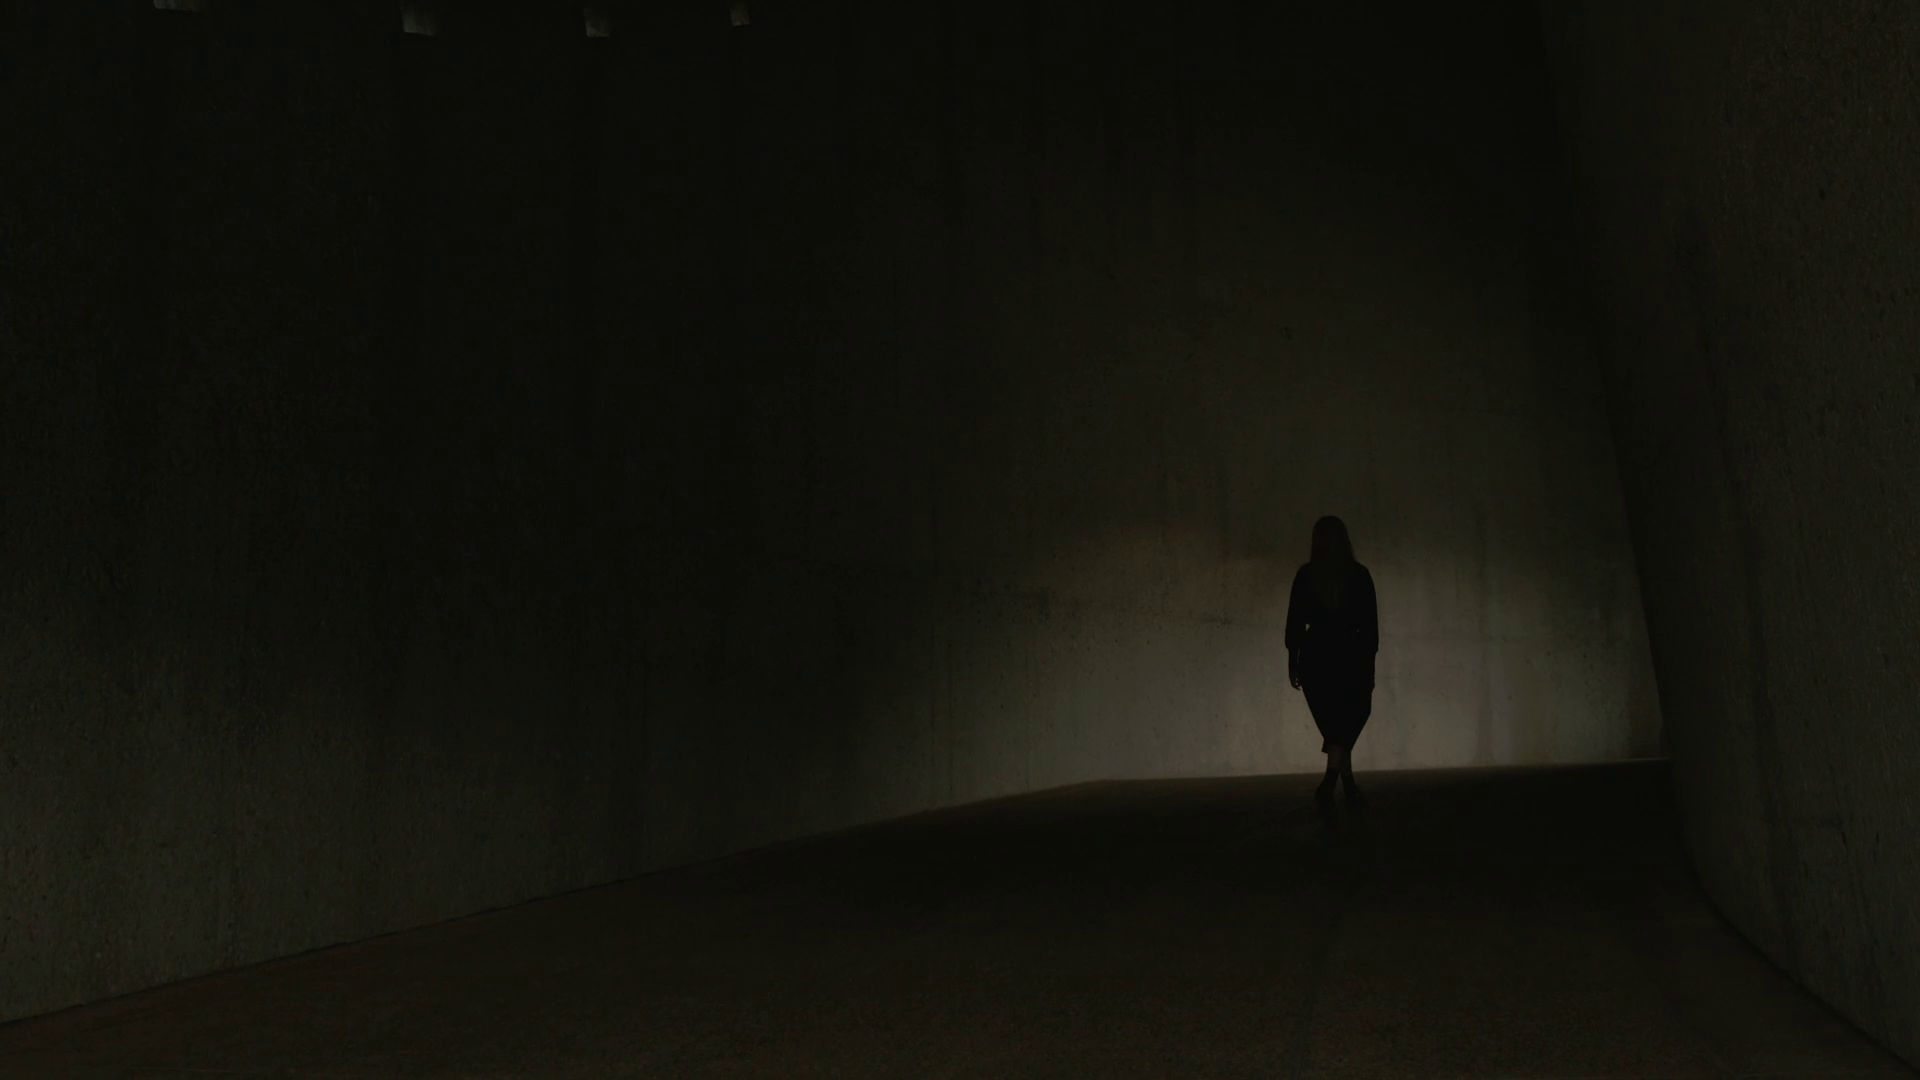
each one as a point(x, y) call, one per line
point(1333, 624)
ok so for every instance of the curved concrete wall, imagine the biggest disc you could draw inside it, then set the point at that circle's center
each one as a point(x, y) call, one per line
point(1750, 173)
point(447, 472)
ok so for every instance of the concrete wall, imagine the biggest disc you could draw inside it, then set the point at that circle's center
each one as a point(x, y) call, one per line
point(1750, 173)
point(441, 473)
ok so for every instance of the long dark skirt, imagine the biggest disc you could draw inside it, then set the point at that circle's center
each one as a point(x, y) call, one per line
point(1340, 709)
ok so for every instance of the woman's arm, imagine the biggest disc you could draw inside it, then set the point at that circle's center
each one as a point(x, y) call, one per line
point(1370, 611)
point(1296, 631)
point(1372, 630)
point(1296, 615)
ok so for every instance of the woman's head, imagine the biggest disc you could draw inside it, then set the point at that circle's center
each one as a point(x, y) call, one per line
point(1330, 542)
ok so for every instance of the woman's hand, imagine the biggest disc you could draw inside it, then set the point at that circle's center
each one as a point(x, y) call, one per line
point(1293, 677)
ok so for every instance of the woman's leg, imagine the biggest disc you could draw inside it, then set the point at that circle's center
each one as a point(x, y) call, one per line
point(1323, 795)
point(1339, 765)
point(1356, 803)
point(1323, 717)
point(1362, 709)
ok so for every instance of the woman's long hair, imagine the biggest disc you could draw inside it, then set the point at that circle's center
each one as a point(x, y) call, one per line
point(1330, 542)
point(1332, 554)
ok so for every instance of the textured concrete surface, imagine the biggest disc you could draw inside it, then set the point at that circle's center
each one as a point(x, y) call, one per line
point(1478, 923)
point(1749, 174)
point(440, 473)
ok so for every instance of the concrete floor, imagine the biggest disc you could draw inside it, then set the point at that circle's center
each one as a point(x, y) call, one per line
point(1509, 923)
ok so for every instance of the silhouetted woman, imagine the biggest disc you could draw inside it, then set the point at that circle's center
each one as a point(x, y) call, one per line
point(1333, 633)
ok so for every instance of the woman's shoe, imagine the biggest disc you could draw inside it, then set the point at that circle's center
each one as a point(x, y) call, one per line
point(1356, 802)
point(1323, 798)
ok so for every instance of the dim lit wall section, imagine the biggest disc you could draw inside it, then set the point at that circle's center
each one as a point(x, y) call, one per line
point(1748, 177)
point(1047, 336)
point(456, 454)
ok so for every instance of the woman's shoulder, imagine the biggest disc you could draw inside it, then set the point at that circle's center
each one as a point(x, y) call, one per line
point(1355, 568)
